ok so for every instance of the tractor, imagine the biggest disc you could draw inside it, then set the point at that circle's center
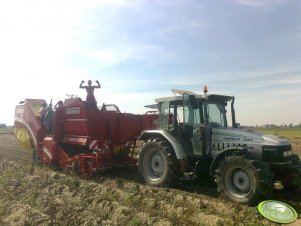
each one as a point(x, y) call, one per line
point(194, 138)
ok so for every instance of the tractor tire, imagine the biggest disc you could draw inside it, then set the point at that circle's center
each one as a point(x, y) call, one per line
point(244, 179)
point(157, 163)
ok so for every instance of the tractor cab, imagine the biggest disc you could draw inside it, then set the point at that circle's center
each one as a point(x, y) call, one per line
point(190, 117)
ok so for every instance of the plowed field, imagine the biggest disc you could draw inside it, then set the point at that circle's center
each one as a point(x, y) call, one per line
point(117, 197)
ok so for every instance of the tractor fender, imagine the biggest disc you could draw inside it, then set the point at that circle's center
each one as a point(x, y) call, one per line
point(175, 143)
point(226, 152)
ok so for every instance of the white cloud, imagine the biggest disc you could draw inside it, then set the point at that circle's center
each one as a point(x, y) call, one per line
point(35, 40)
point(117, 3)
point(292, 81)
point(260, 3)
point(107, 57)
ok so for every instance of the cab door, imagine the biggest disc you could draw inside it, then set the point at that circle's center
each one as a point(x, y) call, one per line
point(192, 124)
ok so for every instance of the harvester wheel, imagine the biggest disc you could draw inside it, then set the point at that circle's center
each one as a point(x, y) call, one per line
point(88, 170)
point(244, 179)
point(157, 164)
point(35, 157)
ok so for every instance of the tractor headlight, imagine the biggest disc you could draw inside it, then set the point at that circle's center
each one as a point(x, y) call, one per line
point(287, 153)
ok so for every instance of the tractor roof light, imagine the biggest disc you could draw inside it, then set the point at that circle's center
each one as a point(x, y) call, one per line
point(205, 89)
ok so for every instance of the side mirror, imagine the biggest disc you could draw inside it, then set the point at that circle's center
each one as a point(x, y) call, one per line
point(193, 102)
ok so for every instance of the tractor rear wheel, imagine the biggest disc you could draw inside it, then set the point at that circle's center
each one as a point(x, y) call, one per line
point(244, 179)
point(157, 164)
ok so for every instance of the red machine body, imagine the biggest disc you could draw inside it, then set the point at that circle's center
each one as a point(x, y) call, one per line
point(82, 137)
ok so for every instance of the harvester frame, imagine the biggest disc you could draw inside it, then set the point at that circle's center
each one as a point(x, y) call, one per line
point(80, 139)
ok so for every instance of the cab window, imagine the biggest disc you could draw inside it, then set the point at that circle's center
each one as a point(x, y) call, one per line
point(216, 114)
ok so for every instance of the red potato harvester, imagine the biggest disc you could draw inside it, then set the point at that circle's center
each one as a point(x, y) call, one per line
point(80, 137)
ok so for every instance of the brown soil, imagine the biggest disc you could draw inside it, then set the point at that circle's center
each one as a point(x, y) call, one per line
point(117, 197)
point(10, 150)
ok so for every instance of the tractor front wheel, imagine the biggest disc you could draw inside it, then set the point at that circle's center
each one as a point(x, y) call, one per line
point(244, 179)
point(157, 164)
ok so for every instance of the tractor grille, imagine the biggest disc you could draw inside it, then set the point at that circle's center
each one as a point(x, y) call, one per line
point(275, 153)
point(221, 145)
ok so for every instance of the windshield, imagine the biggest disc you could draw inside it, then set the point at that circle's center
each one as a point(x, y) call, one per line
point(216, 114)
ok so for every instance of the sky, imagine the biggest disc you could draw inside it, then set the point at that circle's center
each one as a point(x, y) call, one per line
point(140, 49)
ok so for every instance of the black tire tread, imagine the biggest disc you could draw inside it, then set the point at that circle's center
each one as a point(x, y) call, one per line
point(258, 168)
point(173, 168)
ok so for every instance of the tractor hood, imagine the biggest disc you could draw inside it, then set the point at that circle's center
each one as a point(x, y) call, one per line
point(256, 142)
point(242, 136)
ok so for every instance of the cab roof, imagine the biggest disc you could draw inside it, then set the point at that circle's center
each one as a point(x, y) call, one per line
point(213, 97)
